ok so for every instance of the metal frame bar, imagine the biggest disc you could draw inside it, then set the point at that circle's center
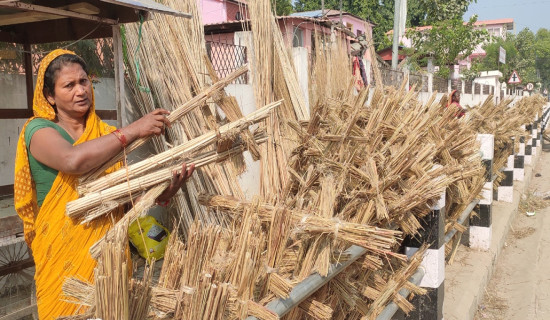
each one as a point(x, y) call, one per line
point(465, 214)
point(311, 284)
point(119, 77)
point(392, 308)
point(158, 8)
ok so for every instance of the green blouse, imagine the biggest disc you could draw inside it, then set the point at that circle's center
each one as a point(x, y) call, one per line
point(42, 175)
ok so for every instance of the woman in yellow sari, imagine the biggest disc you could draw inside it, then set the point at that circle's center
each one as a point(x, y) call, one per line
point(63, 140)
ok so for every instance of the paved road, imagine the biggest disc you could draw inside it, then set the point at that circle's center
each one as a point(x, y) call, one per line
point(520, 286)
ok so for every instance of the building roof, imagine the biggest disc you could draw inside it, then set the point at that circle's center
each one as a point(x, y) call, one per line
point(43, 21)
point(386, 53)
point(148, 5)
point(327, 13)
point(495, 22)
point(237, 25)
point(509, 22)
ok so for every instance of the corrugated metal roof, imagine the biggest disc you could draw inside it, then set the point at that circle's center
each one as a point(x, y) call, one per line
point(148, 5)
point(308, 14)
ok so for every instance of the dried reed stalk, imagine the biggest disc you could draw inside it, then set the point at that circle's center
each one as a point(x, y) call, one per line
point(111, 278)
point(174, 116)
point(316, 309)
point(373, 238)
point(170, 53)
point(139, 209)
point(176, 153)
point(78, 209)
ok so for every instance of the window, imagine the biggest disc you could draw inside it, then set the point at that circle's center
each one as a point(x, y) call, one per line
point(297, 37)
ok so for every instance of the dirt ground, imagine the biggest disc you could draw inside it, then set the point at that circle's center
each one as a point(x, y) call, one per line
point(520, 287)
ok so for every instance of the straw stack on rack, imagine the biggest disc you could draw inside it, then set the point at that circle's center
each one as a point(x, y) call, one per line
point(175, 49)
point(102, 195)
point(358, 172)
point(114, 295)
point(347, 171)
point(504, 121)
point(274, 78)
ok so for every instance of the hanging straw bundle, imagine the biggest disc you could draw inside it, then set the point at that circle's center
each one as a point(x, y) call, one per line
point(349, 170)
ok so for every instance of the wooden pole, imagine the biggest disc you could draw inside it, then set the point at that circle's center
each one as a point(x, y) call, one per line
point(119, 77)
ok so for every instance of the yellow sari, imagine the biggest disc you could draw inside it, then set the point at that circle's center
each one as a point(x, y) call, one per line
point(59, 244)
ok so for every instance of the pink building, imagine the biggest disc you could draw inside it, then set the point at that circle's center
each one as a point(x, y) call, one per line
point(219, 11)
point(222, 18)
point(495, 28)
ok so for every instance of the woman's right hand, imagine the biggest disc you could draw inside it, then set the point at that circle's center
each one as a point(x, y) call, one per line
point(150, 124)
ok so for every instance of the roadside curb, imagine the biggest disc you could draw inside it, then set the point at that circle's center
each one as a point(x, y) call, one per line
point(471, 271)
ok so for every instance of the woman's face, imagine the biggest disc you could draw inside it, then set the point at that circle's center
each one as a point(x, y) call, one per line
point(456, 96)
point(73, 91)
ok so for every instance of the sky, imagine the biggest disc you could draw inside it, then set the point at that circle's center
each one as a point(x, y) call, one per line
point(533, 14)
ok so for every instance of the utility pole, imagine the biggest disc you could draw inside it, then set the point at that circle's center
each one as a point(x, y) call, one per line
point(341, 24)
point(399, 19)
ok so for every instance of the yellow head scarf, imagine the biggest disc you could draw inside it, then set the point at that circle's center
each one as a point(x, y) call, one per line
point(24, 191)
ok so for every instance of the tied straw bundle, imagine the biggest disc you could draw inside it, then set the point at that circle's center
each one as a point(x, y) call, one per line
point(100, 194)
point(356, 172)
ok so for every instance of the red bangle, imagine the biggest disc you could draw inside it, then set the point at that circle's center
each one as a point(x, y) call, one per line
point(121, 137)
point(163, 203)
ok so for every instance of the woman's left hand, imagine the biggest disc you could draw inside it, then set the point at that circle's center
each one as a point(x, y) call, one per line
point(178, 179)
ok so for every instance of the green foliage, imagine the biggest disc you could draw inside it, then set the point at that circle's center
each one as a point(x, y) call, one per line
point(492, 49)
point(282, 7)
point(446, 41)
point(473, 72)
point(97, 54)
point(381, 13)
point(542, 56)
point(441, 10)
point(526, 52)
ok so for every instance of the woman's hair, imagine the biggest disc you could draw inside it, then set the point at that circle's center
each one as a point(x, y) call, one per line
point(50, 76)
point(455, 94)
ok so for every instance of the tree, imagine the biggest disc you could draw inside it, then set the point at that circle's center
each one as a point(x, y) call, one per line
point(526, 52)
point(446, 41)
point(97, 54)
point(525, 44)
point(441, 10)
point(542, 56)
point(380, 12)
point(491, 60)
point(282, 7)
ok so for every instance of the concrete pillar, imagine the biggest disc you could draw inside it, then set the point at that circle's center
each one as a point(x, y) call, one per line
point(519, 162)
point(301, 64)
point(480, 225)
point(528, 145)
point(430, 306)
point(519, 167)
point(545, 116)
point(244, 38)
point(505, 191)
point(535, 137)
